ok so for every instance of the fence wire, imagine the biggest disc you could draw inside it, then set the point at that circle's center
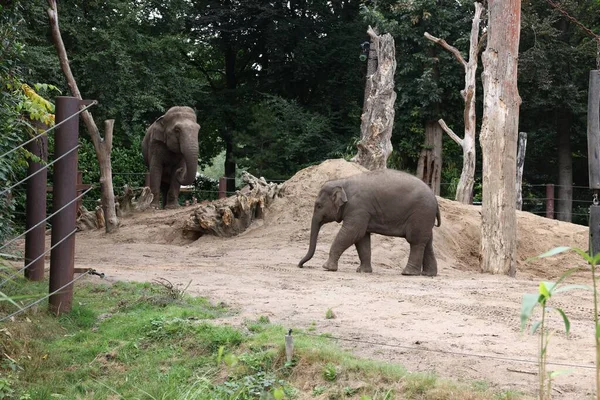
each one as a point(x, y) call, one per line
point(46, 219)
point(27, 307)
point(37, 258)
point(449, 352)
point(52, 128)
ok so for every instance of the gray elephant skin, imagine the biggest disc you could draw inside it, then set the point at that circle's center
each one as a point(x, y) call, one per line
point(386, 202)
point(170, 149)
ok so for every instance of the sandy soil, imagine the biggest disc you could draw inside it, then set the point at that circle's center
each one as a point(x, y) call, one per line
point(439, 319)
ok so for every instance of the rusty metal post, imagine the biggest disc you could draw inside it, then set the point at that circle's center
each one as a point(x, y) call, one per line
point(35, 241)
point(550, 200)
point(222, 187)
point(65, 191)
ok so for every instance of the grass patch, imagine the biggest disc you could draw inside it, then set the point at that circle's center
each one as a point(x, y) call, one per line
point(142, 341)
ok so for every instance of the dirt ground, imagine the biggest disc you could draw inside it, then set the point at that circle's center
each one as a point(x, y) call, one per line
point(439, 319)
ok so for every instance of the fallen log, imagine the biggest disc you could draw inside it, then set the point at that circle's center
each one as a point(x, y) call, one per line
point(233, 215)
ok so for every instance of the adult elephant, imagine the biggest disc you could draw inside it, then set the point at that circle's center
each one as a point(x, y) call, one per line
point(170, 149)
point(386, 202)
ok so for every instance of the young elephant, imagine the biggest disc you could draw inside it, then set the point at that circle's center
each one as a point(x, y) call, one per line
point(386, 202)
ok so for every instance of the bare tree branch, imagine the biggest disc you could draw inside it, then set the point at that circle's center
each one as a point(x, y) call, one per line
point(450, 132)
point(448, 47)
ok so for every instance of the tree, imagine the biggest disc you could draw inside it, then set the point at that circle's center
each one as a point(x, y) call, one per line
point(464, 190)
point(499, 137)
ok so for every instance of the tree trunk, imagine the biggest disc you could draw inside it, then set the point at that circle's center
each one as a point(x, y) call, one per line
point(499, 138)
point(520, 165)
point(229, 166)
point(429, 168)
point(464, 190)
point(564, 205)
point(103, 146)
point(375, 144)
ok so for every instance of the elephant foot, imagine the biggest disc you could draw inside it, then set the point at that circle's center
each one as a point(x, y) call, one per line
point(431, 271)
point(411, 270)
point(365, 268)
point(330, 266)
point(172, 206)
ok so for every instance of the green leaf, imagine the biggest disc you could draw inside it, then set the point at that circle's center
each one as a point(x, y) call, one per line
point(550, 253)
point(554, 374)
point(278, 394)
point(598, 331)
point(535, 326)
point(546, 289)
point(596, 259)
point(568, 288)
point(583, 254)
point(565, 320)
point(530, 300)
point(4, 297)
point(230, 359)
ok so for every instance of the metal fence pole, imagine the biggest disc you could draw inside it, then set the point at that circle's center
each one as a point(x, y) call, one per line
point(550, 200)
point(65, 182)
point(35, 240)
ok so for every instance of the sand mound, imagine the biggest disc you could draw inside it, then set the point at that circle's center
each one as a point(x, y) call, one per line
point(456, 241)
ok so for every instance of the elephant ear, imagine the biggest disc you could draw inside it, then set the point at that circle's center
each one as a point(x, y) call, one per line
point(339, 197)
point(157, 130)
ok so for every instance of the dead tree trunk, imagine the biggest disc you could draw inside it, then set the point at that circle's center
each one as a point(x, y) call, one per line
point(464, 189)
point(429, 168)
point(375, 144)
point(499, 138)
point(103, 146)
point(520, 165)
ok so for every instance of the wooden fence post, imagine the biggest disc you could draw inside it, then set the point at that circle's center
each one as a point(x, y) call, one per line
point(550, 200)
point(593, 134)
point(222, 187)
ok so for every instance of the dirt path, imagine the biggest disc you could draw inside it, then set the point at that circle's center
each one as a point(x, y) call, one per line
point(457, 311)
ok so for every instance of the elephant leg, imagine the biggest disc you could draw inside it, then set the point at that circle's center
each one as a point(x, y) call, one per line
point(346, 237)
point(172, 197)
point(164, 190)
point(429, 261)
point(363, 247)
point(155, 183)
point(415, 259)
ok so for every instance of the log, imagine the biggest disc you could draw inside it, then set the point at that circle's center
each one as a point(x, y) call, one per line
point(86, 220)
point(144, 199)
point(375, 144)
point(233, 215)
point(520, 165)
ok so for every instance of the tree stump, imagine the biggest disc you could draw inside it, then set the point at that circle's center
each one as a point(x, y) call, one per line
point(232, 215)
point(375, 144)
point(144, 200)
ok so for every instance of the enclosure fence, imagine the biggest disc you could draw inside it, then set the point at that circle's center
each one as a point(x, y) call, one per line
point(67, 193)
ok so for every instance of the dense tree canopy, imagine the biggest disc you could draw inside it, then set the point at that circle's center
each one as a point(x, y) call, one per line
point(279, 85)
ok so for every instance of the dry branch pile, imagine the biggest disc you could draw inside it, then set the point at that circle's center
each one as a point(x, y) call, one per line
point(233, 215)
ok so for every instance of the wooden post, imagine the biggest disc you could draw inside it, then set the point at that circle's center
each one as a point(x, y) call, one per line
point(593, 129)
point(222, 187)
point(520, 164)
point(550, 200)
point(35, 240)
point(65, 191)
point(593, 132)
point(289, 346)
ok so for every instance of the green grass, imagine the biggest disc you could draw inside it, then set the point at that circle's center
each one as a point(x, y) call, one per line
point(139, 341)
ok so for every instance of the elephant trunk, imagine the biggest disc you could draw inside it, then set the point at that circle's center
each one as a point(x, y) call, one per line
point(314, 233)
point(190, 154)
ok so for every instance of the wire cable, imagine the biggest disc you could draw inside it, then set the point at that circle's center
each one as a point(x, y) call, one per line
point(47, 218)
point(37, 258)
point(27, 307)
point(54, 127)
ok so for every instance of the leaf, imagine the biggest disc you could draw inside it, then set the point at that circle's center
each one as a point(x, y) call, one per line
point(530, 300)
point(230, 359)
point(554, 374)
point(535, 326)
point(565, 320)
point(550, 253)
point(568, 288)
point(278, 394)
point(583, 254)
point(598, 331)
point(596, 259)
point(546, 289)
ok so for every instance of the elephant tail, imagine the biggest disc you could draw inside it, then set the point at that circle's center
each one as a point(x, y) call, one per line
point(438, 216)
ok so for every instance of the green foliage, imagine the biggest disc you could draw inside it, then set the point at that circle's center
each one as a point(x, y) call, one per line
point(329, 314)
point(330, 372)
